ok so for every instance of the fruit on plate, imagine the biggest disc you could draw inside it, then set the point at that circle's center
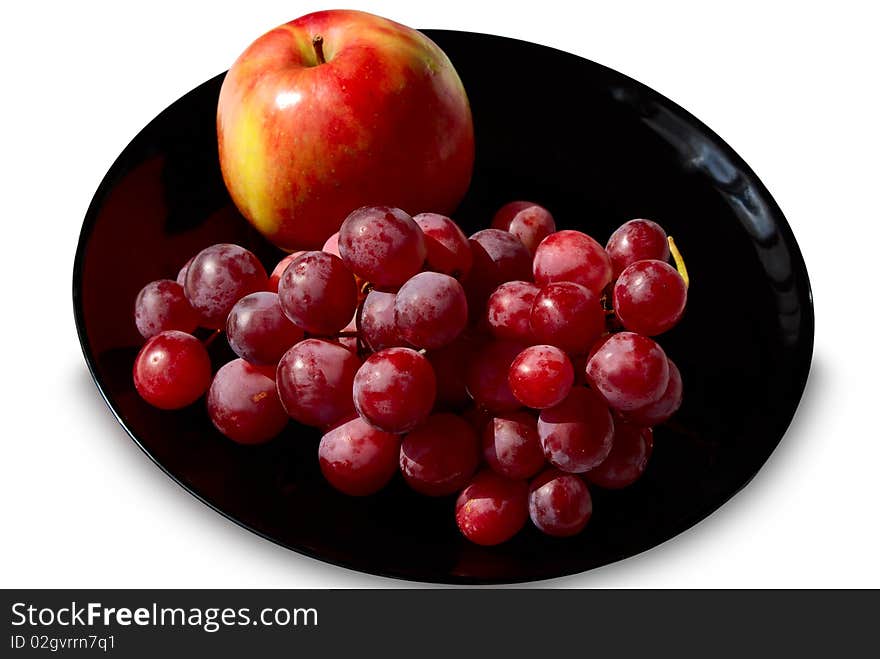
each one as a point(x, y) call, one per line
point(439, 456)
point(448, 250)
point(314, 379)
point(541, 376)
point(572, 256)
point(218, 277)
point(488, 376)
point(394, 389)
point(172, 370)
point(629, 371)
point(661, 410)
point(318, 293)
point(568, 316)
point(382, 245)
point(577, 434)
point(498, 257)
point(162, 305)
point(416, 350)
point(529, 222)
point(559, 503)
point(375, 321)
point(492, 509)
point(274, 277)
point(628, 458)
point(258, 330)
point(649, 297)
point(511, 445)
point(509, 311)
point(430, 310)
point(357, 458)
point(337, 110)
point(636, 240)
point(243, 403)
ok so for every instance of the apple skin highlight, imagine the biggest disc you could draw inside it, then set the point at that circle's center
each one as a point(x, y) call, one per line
point(383, 120)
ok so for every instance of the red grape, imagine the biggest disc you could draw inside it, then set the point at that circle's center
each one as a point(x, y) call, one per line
point(421, 280)
point(243, 403)
point(501, 256)
point(161, 305)
point(579, 362)
point(511, 445)
point(450, 373)
point(430, 310)
point(492, 509)
point(628, 458)
point(395, 389)
point(439, 456)
point(568, 316)
point(498, 257)
point(258, 331)
point(318, 293)
point(572, 256)
point(598, 343)
point(376, 321)
point(172, 370)
point(447, 247)
point(487, 376)
point(649, 297)
point(576, 434)
point(636, 240)
point(357, 458)
point(661, 410)
point(382, 245)
point(331, 246)
point(541, 376)
point(218, 277)
point(529, 222)
point(629, 371)
point(181, 274)
point(503, 216)
point(509, 309)
point(559, 503)
point(279, 269)
point(314, 379)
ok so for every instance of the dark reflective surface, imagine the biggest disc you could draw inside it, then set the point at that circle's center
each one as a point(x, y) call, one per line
point(594, 147)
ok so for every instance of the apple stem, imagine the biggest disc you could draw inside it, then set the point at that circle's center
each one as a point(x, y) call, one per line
point(318, 45)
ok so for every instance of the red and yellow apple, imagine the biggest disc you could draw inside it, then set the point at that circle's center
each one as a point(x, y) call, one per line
point(337, 110)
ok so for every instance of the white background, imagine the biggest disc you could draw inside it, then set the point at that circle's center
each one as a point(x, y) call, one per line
point(793, 89)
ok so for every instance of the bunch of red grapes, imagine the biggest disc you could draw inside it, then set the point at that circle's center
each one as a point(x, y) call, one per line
point(513, 368)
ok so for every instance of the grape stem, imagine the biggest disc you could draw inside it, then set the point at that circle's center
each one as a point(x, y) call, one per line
point(679, 262)
point(210, 339)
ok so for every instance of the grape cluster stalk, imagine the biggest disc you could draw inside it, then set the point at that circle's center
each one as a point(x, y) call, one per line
point(515, 369)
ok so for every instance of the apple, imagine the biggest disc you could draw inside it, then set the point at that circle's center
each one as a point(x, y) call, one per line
point(337, 110)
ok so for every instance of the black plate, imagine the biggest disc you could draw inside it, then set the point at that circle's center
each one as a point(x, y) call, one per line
point(596, 148)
